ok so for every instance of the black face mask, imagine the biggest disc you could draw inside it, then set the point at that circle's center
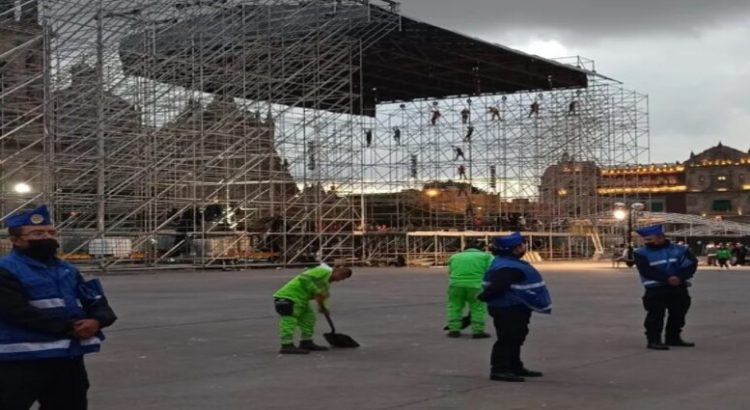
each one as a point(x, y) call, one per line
point(42, 249)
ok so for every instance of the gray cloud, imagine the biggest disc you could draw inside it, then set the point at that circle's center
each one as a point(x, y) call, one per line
point(688, 55)
point(579, 17)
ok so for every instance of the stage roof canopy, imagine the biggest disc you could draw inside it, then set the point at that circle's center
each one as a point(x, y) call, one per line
point(402, 59)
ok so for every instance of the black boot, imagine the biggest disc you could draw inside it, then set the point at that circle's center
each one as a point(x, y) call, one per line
point(658, 345)
point(481, 335)
point(506, 377)
point(290, 348)
point(311, 346)
point(524, 372)
point(454, 334)
point(677, 341)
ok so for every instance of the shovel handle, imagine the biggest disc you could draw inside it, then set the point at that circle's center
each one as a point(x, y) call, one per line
point(327, 314)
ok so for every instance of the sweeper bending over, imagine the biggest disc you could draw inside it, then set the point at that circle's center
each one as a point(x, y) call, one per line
point(292, 303)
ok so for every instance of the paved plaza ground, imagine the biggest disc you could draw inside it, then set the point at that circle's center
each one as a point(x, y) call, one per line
point(208, 340)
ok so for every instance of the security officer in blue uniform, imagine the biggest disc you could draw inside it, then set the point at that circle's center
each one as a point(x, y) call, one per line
point(512, 289)
point(665, 269)
point(49, 319)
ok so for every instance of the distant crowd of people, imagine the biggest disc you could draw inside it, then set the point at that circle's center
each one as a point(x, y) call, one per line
point(726, 254)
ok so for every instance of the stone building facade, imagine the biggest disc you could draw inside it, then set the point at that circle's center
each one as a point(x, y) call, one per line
point(718, 182)
point(713, 183)
point(568, 188)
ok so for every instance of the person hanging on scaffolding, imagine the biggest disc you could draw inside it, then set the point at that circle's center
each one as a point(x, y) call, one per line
point(469, 133)
point(534, 109)
point(495, 112)
point(573, 107)
point(435, 116)
point(368, 138)
point(397, 135)
point(465, 114)
point(469, 210)
point(462, 171)
point(459, 153)
point(462, 189)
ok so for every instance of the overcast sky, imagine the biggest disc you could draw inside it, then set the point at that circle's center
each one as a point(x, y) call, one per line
point(692, 57)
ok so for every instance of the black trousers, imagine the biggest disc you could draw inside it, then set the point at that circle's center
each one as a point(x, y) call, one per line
point(657, 301)
point(57, 384)
point(512, 326)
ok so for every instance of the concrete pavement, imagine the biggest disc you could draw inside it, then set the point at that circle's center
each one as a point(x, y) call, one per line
point(208, 340)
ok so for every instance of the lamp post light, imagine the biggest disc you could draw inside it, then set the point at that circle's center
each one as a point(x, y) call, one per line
point(22, 188)
point(621, 212)
point(635, 209)
point(431, 194)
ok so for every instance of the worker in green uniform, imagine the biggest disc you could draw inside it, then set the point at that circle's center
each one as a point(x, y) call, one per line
point(292, 303)
point(466, 271)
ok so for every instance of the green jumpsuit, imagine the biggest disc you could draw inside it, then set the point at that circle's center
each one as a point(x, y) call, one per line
point(301, 290)
point(466, 271)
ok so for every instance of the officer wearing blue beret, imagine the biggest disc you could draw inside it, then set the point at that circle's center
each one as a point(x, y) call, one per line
point(665, 270)
point(49, 319)
point(512, 289)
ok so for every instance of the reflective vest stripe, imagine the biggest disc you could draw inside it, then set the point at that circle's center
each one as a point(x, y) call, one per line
point(529, 286)
point(650, 282)
point(34, 347)
point(92, 341)
point(48, 303)
point(543, 309)
point(662, 262)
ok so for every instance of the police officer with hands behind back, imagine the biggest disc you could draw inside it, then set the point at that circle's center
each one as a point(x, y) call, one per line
point(665, 270)
point(512, 289)
point(49, 319)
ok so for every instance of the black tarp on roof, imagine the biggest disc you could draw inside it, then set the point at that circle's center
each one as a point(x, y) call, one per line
point(402, 59)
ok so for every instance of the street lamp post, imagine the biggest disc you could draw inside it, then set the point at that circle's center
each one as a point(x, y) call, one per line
point(431, 194)
point(635, 209)
point(620, 213)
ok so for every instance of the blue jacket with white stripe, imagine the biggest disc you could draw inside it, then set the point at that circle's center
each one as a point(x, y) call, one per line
point(55, 296)
point(530, 292)
point(656, 264)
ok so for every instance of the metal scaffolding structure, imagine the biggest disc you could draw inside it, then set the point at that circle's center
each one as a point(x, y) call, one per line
point(242, 131)
point(486, 161)
point(105, 115)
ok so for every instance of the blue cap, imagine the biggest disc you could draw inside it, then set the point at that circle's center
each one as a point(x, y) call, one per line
point(508, 242)
point(651, 230)
point(38, 216)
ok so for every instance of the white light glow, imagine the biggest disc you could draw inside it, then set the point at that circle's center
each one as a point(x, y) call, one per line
point(620, 214)
point(22, 188)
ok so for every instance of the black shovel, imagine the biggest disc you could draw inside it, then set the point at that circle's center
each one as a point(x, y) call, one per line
point(338, 339)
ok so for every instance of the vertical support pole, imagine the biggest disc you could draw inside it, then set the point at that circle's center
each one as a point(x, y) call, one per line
point(48, 107)
point(100, 143)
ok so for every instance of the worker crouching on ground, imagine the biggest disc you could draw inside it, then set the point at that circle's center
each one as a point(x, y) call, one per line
point(466, 270)
point(512, 289)
point(292, 303)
